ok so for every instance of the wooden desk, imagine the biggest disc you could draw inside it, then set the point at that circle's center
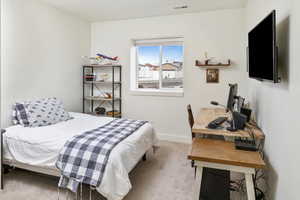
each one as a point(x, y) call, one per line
point(222, 155)
point(206, 115)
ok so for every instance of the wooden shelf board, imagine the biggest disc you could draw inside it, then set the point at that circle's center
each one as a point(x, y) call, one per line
point(216, 65)
point(223, 152)
point(199, 64)
point(99, 99)
point(99, 66)
point(104, 115)
point(101, 82)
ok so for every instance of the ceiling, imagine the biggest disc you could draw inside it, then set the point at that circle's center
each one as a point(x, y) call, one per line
point(103, 10)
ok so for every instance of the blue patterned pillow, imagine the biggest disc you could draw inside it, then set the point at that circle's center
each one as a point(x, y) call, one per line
point(19, 115)
point(41, 112)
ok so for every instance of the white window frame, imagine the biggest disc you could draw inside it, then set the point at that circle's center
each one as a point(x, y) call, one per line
point(134, 90)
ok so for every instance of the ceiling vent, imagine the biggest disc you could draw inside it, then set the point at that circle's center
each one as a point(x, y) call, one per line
point(180, 7)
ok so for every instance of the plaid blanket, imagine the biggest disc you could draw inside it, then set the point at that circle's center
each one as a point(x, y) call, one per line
point(84, 157)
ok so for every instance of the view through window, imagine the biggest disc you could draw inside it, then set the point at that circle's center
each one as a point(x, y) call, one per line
point(160, 66)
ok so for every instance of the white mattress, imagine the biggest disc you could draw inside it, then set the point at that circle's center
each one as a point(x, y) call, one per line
point(41, 146)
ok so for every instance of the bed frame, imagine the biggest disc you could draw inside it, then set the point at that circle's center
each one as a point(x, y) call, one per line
point(43, 170)
point(12, 163)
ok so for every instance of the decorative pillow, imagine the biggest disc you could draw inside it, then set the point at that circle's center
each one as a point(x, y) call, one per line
point(15, 119)
point(19, 114)
point(41, 112)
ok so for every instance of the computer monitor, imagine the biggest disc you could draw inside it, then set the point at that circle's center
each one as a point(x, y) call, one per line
point(232, 95)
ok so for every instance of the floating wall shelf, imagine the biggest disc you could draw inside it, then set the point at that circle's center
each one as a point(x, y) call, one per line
point(206, 65)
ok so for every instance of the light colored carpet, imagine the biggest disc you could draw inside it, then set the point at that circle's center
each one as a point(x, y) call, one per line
point(166, 175)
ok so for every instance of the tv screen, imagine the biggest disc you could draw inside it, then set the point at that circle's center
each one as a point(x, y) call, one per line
point(262, 52)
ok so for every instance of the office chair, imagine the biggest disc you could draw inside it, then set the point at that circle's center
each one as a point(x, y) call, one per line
point(191, 119)
point(191, 122)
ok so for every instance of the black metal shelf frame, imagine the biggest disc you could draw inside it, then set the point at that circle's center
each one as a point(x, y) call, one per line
point(93, 83)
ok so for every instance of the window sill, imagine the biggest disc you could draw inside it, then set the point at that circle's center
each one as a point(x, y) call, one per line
point(164, 93)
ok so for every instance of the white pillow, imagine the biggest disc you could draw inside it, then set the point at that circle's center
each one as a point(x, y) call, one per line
point(41, 112)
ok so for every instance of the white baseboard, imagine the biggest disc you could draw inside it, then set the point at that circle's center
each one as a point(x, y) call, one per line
point(174, 138)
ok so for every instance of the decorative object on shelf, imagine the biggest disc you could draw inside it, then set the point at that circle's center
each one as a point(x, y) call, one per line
point(106, 59)
point(86, 60)
point(99, 59)
point(90, 77)
point(94, 61)
point(108, 95)
point(209, 62)
point(113, 113)
point(212, 75)
point(100, 111)
point(103, 77)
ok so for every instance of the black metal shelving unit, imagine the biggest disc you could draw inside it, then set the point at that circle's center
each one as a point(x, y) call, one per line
point(116, 86)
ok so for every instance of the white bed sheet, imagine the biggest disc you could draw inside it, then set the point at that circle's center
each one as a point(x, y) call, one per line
point(41, 146)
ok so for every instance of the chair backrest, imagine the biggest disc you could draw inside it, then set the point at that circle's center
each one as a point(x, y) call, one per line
point(191, 118)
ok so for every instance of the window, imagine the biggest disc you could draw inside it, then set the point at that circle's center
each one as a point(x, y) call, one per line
point(158, 66)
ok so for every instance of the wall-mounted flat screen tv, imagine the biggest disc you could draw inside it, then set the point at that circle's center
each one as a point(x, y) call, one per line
point(262, 50)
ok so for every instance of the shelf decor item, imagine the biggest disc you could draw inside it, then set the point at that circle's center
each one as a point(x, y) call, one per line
point(207, 64)
point(90, 77)
point(113, 113)
point(106, 92)
point(100, 111)
point(212, 75)
point(93, 60)
point(103, 77)
point(107, 59)
point(212, 62)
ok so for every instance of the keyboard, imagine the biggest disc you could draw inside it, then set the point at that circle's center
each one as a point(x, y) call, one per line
point(217, 122)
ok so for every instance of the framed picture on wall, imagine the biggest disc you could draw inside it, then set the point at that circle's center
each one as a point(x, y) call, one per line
point(212, 75)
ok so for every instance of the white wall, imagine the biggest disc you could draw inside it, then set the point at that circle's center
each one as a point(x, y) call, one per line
point(277, 105)
point(220, 33)
point(1, 174)
point(42, 49)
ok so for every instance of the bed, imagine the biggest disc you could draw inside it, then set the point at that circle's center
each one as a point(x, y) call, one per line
point(37, 149)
